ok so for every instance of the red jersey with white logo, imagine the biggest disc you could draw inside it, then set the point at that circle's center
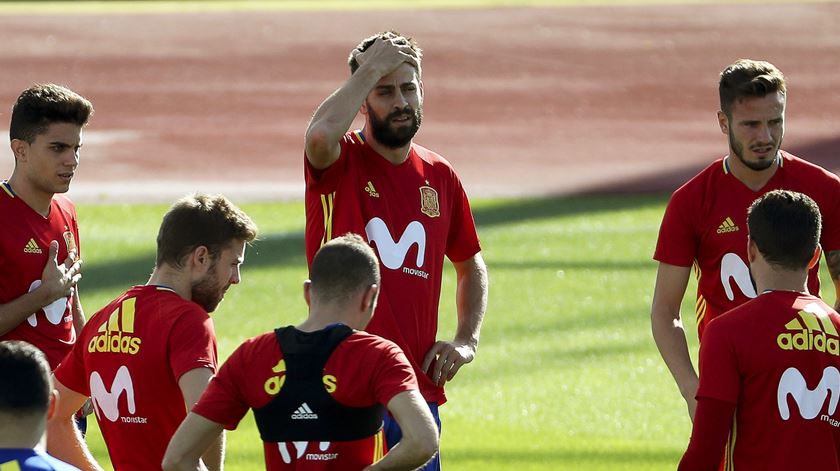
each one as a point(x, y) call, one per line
point(777, 358)
point(413, 214)
point(24, 249)
point(363, 370)
point(705, 226)
point(128, 359)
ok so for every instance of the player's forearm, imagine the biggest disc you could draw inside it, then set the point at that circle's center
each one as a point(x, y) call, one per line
point(78, 314)
point(471, 298)
point(214, 457)
point(406, 455)
point(335, 115)
point(16, 311)
point(669, 335)
point(65, 442)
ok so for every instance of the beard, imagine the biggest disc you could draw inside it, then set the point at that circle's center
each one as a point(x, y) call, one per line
point(207, 292)
point(738, 149)
point(395, 138)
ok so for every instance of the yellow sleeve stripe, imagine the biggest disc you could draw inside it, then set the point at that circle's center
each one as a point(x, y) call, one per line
point(327, 205)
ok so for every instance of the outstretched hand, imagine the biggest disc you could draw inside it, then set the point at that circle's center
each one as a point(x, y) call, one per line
point(446, 359)
point(386, 55)
point(60, 279)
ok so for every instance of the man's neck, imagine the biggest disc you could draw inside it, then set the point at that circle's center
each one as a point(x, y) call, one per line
point(17, 434)
point(753, 179)
point(35, 199)
point(395, 156)
point(782, 280)
point(171, 278)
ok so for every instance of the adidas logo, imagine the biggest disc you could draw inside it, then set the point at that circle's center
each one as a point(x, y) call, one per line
point(813, 331)
point(371, 190)
point(32, 247)
point(304, 412)
point(727, 226)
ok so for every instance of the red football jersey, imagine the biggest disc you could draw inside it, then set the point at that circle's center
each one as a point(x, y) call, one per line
point(777, 358)
point(363, 370)
point(24, 248)
point(129, 358)
point(705, 225)
point(413, 214)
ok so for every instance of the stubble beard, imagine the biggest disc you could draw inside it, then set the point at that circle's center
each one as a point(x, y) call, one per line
point(738, 149)
point(392, 138)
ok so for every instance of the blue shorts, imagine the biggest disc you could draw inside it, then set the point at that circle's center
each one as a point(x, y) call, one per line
point(393, 435)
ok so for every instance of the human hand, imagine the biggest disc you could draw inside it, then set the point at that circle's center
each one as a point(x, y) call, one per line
point(385, 54)
point(448, 357)
point(689, 393)
point(59, 279)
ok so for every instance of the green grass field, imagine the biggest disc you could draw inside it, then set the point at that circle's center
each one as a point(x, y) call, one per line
point(567, 375)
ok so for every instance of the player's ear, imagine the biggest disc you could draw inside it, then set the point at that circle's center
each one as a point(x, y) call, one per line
point(201, 258)
point(369, 298)
point(52, 404)
point(752, 250)
point(307, 294)
point(19, 148)
point(723, 122)
point(816, 258)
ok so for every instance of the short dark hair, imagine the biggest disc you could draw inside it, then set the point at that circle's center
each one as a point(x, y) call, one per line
point(25, 387)
point(43, 104)
point(342, 267)
point(785, 226)
point(200, 219)
point(748, 78)
point(367, 42)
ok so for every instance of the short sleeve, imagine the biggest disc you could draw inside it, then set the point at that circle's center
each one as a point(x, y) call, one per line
point(678, 240)
point(223, 401)
point(192, 343)
point(719, 375)
point(72, 373)
point(462, 240)
point(326, 180)
point(394, 373)
point(830, 211)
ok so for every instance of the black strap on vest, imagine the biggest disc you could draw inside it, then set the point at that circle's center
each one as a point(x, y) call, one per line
point(303, 410)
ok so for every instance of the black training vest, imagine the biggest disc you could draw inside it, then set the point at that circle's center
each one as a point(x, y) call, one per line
point(303, 410)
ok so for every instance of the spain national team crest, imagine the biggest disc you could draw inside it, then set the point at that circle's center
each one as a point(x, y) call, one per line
point(429, 204)
point(69, 241)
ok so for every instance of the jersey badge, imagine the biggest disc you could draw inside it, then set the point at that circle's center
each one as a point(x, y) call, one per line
point(429, 204)
point(727, 226)
point(371, 191)
point(32, 247)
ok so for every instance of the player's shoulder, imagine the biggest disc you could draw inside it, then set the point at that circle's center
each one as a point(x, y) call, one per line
point(361, 340)
point(707, 177)
point(64, 202)
point(797, 165)
point(429, 156)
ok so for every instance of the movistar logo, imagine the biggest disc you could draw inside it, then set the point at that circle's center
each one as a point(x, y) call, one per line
point(809, 401)
point(108, 401)
point(115, 333)
point(811, 329)
point(392, 253)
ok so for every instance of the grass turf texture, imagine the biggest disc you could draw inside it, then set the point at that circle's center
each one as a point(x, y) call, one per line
point(567, 375)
